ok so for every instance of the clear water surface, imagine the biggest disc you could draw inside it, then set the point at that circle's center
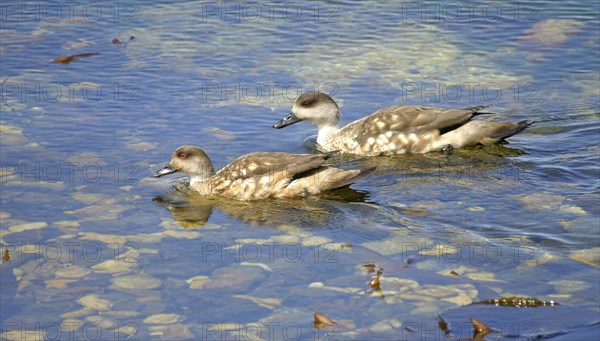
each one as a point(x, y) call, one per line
point(98, 250)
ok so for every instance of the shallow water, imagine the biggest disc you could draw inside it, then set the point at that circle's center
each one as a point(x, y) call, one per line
point(101, 251)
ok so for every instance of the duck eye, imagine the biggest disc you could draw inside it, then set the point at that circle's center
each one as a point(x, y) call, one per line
point(306, 104)
point(183, 155)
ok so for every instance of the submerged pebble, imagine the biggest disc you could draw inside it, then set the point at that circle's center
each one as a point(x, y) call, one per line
point(183, 234)
point(542, 201)
point(260, 265)
point(567, 286)
point(136, 282)
point(77, 313)
point(100, 211)
point(141, 146)
point(24, 334)
point(94, 302)
point(572, 209)
point(105, 238)
point(286, 239)
point(11, 130)
point(171, 332)
point(66, 223)
point(89, 198)
point(59, 283)
point(114, 266)
point(235, 278)
point(315, 241)
point(162, 319)
point(461, 294)
point(587, 256)
point(102, 322)
point(4, 214)
point(27, 226)
point(196, 282)
point(72, 271)
point(539, 259)
point(552, 31)
point(121, 314)
point(269, 303)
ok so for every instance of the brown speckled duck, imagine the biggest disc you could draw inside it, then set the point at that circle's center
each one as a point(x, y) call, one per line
point(397, 129)
point(260, 175)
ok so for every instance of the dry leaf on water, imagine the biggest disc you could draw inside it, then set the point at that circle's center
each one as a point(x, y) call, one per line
point(68, 59)
point(370, 267)
point(374, 283)
point(117, 41)
point(480, 329)
point(322, 321)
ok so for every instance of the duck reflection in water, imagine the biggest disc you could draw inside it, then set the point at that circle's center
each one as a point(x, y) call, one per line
point(192, 211)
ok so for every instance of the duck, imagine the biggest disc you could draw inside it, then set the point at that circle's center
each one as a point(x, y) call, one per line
point(397, 129)
point(260, 175)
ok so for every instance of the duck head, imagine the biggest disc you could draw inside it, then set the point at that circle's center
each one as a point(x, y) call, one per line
point(315, 107)
point(189, 159)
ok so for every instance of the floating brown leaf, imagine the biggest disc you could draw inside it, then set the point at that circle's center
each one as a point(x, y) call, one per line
point(370, 267)
point(63, 59)
point(68, 59)
point(322, 321)
point(6, 256)
point(443, 327)
point(454, 273)
point(117, 41)
point(374, 283)
point(481, 329)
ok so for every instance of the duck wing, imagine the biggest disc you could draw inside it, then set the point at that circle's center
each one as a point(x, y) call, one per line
point(412, 119)
point(275, 164)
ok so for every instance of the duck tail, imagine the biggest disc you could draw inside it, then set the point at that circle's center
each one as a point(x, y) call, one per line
point(354, 176)
point(477, 110)
point(481, 132)
point(511, 129)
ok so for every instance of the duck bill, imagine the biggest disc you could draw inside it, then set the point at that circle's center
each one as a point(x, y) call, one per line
point(286, 121)
point(164, 171)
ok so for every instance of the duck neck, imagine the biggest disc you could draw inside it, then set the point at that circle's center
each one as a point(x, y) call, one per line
point(197, 180)
point(201, 184)
point(326, 133)
point(202, 175)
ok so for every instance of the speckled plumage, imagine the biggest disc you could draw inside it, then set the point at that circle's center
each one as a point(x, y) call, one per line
point(260, 175)
point(397, 129)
